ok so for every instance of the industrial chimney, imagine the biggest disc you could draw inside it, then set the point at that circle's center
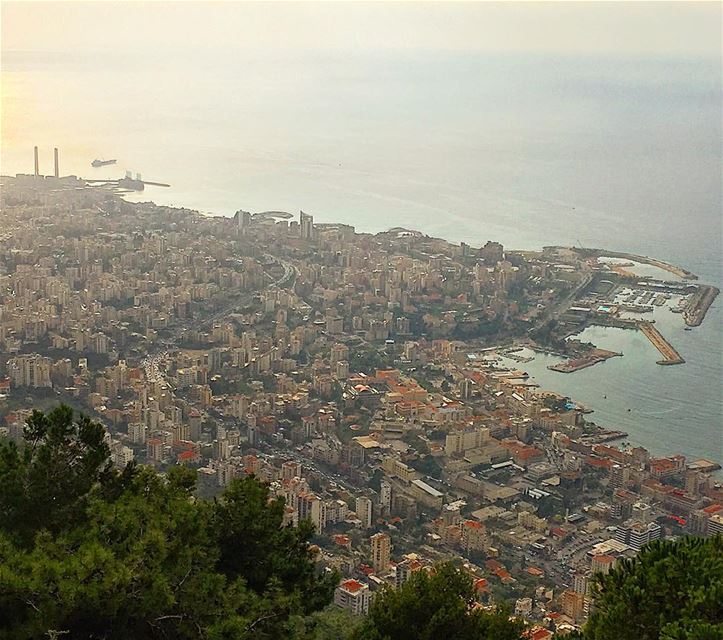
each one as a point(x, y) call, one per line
point(37, 165)
point(57, 169)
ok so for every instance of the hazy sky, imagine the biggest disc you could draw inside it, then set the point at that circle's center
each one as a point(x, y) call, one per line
point(661, 28)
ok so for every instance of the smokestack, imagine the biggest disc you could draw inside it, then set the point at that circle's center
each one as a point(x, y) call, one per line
point(57, 168)
point(37, 166)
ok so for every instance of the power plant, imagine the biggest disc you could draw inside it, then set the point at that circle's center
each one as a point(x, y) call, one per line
point(123, 185)
point(56, 164)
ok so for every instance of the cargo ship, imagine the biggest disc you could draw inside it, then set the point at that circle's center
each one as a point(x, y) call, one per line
point(101, 163)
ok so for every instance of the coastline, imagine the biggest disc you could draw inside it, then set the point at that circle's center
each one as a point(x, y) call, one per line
point(206, 215)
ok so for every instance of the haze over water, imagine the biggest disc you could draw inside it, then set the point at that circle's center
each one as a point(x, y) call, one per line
point(587, 143)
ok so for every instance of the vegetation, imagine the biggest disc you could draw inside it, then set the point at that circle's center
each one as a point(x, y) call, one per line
point(435, 605)
point(672, 590)
point(93, 552)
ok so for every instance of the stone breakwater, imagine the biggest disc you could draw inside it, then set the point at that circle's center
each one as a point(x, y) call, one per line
point(699, 304)
point(670, 355)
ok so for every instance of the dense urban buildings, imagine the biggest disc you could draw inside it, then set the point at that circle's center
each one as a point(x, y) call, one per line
point(371, 380)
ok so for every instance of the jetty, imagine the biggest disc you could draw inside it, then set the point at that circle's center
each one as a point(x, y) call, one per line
point(699, 304)
point(670, 355)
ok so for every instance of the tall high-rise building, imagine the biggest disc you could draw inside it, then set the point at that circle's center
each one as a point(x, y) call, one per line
point(137, 432)
point(581, 583)
point(385, 497)
point(252, 430)
point(381, 551)
point(243, 221)
point(573, 604)
point(290, 469)
point(306, 225)
point(364, 512)
point(474, 536)
point(31, 370)
point(311, 507)
point(619, 476)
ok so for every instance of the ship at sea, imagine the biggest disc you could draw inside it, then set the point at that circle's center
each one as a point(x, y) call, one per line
point(102, 163)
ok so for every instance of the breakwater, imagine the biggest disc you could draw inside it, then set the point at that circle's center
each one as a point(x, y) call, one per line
point(670, 355)
point(699, 304)
point(670, 268)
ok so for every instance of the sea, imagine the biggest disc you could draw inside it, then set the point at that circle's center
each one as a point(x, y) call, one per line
point(617, 152)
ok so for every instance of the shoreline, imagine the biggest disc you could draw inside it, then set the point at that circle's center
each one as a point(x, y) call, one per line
point(707, 300)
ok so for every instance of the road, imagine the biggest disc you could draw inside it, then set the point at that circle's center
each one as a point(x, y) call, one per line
point(560, 307)
point(151, 362)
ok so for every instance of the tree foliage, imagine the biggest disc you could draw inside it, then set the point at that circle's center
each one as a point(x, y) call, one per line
point(47, 483)
point(435, 605)
point(672, 590)
point(133, 554)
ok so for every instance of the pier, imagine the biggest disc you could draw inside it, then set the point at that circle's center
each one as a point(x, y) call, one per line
point(670, 355)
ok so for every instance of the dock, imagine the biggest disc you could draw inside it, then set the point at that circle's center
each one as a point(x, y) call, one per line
point(670, 355)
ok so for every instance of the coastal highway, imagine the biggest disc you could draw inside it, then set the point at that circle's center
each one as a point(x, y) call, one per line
point(561, 306)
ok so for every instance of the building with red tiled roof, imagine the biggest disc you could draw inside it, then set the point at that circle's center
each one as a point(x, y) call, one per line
point(598, 463)
point(188, 457)
point(667, 467)
point(354, 596)
point(504, 576)
point(559, 533)
point(492, 565)
point(343, 541)
point(523, 454)
point(602, 563)
point(481, 585)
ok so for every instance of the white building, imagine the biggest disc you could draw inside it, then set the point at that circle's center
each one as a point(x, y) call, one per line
point(354, 596)
point(364, 511)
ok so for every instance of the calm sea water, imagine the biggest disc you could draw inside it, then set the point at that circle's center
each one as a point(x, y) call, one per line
point(528, 150)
